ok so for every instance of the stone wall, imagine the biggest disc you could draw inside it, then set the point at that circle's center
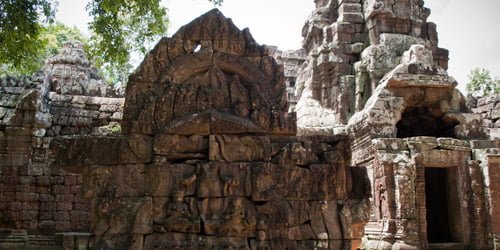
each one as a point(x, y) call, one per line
point(291, 60)
point(75, 114)
point(489, 109)
point(36, 197)
point(208, 157)
point(239, 191)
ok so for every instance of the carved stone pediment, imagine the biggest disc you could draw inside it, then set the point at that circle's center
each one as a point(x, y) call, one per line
point(210, 77)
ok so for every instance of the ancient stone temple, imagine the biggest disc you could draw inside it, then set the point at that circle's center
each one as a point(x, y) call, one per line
point(70, 73)
point(208, 157)
point(202, 153)
point(38, 200)
point(374, 71)
point(351, 45)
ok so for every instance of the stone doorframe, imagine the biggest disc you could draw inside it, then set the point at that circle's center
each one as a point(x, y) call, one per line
point(458, 178)
point(397, 169)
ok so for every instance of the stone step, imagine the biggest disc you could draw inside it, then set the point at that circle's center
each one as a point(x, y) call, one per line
point(446, 246)
point(41, 240)
point(12, 239)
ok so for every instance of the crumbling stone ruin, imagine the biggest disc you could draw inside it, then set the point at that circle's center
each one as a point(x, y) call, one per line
point(489, 109)
point(389, 155)
point(72, 74)
point(38, 199)
point(208, 156)
point(351, 45)
point(374, 72)
point(291, 61)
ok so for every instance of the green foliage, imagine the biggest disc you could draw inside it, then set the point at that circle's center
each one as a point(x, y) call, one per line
point(120, 28)
point(57, 34)
point(53, 36)
point(114, 73)
point(124, 26)
point(21, 25)
point(481, 83)
point(116, 129)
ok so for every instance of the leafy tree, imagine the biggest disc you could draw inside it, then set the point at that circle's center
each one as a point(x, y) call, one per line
point(123, 28)
point(57, 34)
point(53, 37)
point(481, 83)
point(120, 27)
point(21, 26)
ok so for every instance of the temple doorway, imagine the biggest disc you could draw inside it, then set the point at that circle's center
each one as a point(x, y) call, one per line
point(436, 202)
point(445, 216)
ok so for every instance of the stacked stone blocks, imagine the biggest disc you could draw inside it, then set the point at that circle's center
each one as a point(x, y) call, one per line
point(37, 199)
point(208, 157)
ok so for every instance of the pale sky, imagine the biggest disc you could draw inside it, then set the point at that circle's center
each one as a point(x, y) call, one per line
point(470, 30)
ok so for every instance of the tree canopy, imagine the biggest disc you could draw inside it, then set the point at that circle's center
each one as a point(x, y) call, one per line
point(56, 34)
point(481, 83)
point(119, 28)
point(53, 37)
point(122, 26)
point(21, 26)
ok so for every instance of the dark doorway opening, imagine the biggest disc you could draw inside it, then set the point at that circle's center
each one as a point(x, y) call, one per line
point(425, 121)
point(436, 203)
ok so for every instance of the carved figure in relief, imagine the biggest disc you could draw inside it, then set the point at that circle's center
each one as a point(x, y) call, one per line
point(261, 230)
point(239, 96)
point(180, 218)
point(209, 184)
point(231, 184)
point(381, 201)
point(260, 118)
point(234, 218)
point(231, 148)
point(183, 185)
point(103, 218)
point(96, 183)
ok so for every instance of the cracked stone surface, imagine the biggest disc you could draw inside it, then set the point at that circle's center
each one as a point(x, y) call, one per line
point(208, 156)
